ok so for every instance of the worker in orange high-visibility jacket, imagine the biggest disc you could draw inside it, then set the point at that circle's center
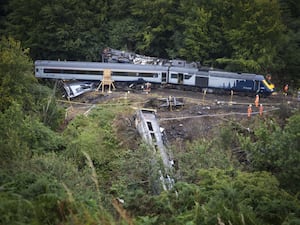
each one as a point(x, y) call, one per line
point(249, 110)
point(261, 109)
point(285, 89)
point(256, 101)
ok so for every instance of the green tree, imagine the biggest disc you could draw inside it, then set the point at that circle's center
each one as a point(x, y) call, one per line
point(254, 32)
point(276, 149)
point(95, 136)
point(69, 29)
point(45, 106)
point(160, 26)
point(18, 85)
point(23, 136)
point(290, 51)
point(15, 74)
point(122, 34)
point(196, 43)
point(49, 189)
point(122, 27)
point(224, 196)
point(244, 198)
point(200, 154)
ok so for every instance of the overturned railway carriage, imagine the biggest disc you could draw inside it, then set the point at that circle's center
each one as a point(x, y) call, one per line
point(189, 77)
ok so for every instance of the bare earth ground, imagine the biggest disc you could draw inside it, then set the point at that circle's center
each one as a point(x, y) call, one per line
point(198, 117)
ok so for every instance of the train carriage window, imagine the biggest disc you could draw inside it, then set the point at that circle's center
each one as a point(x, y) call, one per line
point(126, 74)
point(150, 127)
point(73, 71)
point(148, 75)
point(174, 75)
point(187, 76)
point(52, 71)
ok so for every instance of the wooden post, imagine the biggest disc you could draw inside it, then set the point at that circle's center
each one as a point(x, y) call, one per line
point(204, 93)
point(170, 102)
point(231, 95)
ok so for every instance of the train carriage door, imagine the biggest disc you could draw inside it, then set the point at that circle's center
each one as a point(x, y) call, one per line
point(180, 78)
point(173, 78)
point(256, 85)
point(202, 79)
point(176, 78)
point(163, 78)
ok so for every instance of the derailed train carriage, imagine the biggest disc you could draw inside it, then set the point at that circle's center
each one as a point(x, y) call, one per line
point(180, 76)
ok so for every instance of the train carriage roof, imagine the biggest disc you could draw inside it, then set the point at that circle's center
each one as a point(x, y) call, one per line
point(246, 76)
point(183, 69)
point(97, 65)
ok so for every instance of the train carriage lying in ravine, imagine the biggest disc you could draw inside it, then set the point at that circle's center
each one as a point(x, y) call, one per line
point(168, 74)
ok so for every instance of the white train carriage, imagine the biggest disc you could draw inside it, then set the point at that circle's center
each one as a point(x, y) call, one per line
point(69, 70)
point(182, 76)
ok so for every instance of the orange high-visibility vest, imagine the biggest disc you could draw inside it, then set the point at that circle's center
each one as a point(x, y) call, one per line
point(249, 110)
point(256, 100)
point(286, 88)
point(261, 110)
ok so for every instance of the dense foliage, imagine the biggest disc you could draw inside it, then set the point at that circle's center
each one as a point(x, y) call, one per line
point(252, 35)
point(275, 149)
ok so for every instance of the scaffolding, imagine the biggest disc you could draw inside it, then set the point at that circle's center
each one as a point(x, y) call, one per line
point(106, 81)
